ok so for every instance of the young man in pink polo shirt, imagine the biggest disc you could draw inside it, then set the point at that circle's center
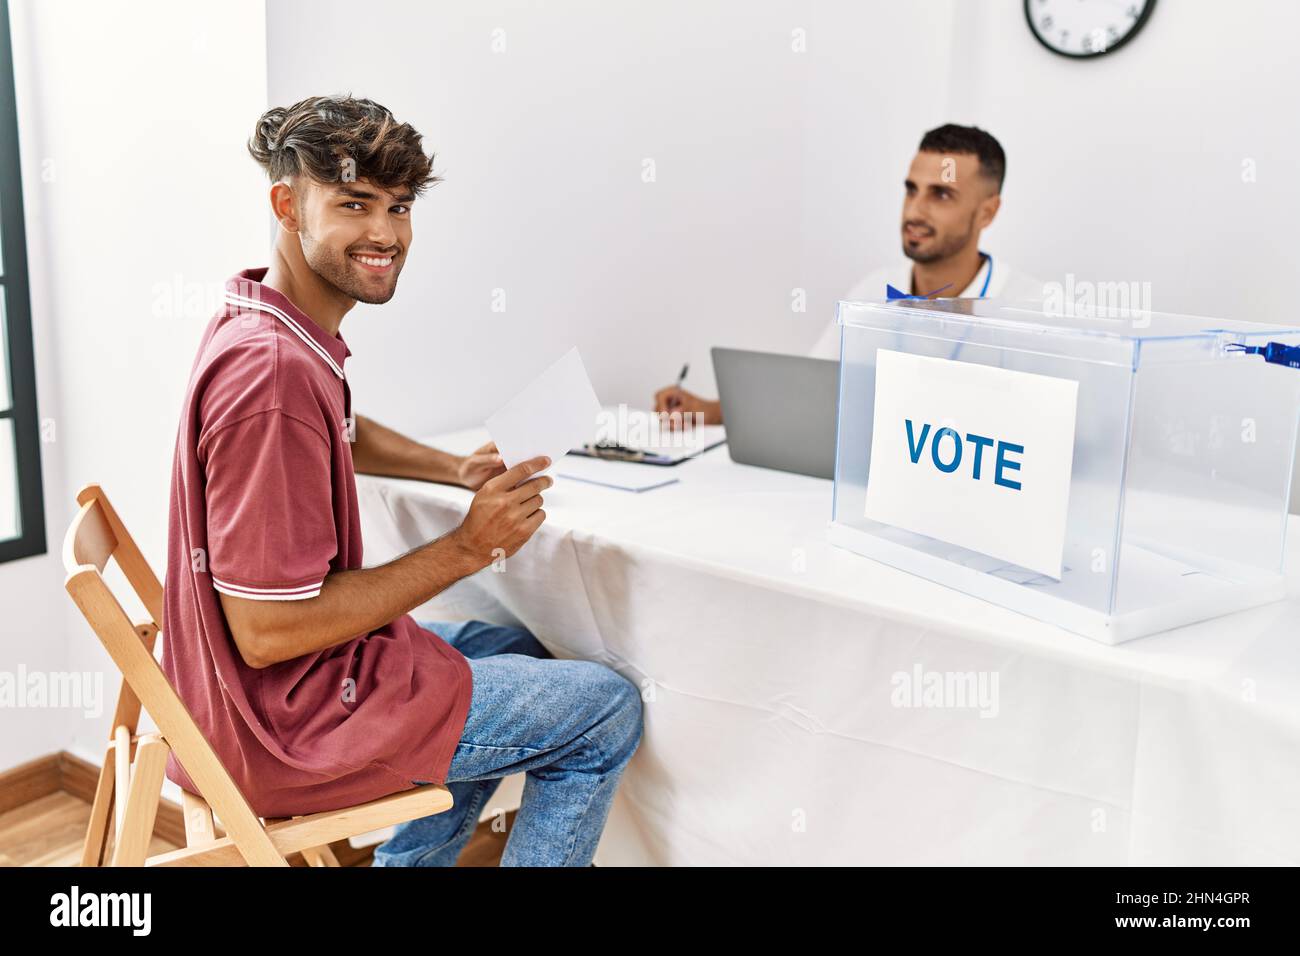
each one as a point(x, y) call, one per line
point(306, 672)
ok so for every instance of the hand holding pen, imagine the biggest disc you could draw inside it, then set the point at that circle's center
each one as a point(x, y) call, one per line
point(676, 402)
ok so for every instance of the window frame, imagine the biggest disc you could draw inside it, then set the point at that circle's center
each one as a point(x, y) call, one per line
point(18, 320)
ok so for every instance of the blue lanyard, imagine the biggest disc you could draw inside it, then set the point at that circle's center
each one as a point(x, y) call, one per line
point(981, 295)
point(892, 293)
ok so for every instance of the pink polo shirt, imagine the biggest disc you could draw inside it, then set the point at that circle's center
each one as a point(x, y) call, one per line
point(264, 506)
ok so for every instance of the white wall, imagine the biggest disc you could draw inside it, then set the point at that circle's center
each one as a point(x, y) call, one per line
point(132, 119)
point(33, 630)
point(1131, 167)
point(543, 145)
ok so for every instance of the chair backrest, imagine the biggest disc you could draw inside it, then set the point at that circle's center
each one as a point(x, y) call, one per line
point(95, 535)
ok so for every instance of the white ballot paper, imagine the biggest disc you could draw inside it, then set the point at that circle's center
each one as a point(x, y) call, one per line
point(556, 412)
point(622, 475)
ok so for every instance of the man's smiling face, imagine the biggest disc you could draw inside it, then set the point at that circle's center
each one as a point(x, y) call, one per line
point(355, 236)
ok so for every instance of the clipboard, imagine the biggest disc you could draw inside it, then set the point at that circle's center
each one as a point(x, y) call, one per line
point(644, 456)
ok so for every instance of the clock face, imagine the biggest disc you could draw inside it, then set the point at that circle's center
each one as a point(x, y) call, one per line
point(1086, 28)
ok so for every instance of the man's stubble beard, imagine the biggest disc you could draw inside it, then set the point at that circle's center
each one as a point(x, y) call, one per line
point(339, 274)
point(949, 248)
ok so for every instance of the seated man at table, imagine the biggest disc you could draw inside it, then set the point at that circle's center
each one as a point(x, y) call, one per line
point(952, 192)
point(304, 670)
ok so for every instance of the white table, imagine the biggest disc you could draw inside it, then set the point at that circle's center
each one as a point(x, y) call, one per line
point(770, 660)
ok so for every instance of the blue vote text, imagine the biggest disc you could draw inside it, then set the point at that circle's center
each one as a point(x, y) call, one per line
point(948, 449)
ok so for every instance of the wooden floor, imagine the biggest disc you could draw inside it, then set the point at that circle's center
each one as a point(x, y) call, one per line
point(48, 831)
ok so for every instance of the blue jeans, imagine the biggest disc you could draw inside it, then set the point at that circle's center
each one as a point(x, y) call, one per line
point(570, 725)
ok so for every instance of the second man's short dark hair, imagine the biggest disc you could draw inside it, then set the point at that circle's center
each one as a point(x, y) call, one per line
point(951, 138)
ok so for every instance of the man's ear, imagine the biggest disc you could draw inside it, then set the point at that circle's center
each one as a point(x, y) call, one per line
point(988, 208)
point(285, 205)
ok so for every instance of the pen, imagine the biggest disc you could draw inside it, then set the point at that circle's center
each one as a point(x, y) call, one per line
point(681, 377)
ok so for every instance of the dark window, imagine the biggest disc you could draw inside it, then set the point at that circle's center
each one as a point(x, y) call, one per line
point(22, 514)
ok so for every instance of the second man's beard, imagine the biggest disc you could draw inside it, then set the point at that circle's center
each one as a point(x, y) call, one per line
point(942, 250)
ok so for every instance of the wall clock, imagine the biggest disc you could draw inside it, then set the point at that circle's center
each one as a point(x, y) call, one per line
point(1086, 28)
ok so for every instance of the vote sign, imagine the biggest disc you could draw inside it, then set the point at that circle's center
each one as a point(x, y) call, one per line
point(973, 455)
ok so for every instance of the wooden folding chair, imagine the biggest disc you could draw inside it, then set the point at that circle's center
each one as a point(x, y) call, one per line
point(130, 781)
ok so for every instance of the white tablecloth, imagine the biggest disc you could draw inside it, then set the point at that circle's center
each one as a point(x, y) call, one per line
point(771, 668)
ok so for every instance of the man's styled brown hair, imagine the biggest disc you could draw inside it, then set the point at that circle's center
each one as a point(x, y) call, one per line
point(340, 139)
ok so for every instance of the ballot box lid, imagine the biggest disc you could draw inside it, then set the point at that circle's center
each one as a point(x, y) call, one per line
point(1110, 331)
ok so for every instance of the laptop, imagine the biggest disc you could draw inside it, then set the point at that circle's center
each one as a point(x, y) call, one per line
point(779, 410)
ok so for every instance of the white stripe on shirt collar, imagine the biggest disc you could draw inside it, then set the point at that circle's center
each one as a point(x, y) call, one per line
point(235, 298)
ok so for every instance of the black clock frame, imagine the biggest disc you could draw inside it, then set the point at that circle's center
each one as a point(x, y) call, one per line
point(1137, 28)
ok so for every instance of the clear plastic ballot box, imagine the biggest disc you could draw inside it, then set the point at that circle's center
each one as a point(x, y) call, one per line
point(1115, 473)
